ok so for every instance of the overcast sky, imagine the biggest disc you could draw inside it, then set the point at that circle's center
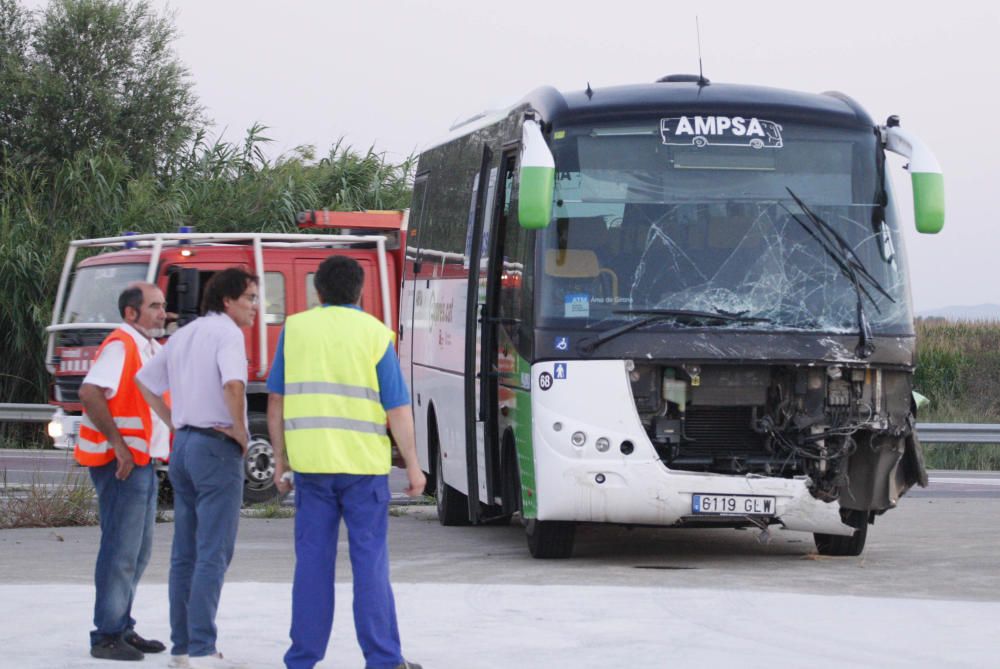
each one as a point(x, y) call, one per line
point(396, 74)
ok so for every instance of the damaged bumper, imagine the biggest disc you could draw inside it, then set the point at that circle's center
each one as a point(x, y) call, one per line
point(593, 462)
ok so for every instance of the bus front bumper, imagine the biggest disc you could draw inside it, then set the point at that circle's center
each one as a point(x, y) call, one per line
point(594, 462)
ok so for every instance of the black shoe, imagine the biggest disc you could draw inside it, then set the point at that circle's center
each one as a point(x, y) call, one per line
point(115, 648)
point(144, 645)
point(408, 665)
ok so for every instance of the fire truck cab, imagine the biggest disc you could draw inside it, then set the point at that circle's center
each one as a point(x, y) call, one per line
point(181, 263)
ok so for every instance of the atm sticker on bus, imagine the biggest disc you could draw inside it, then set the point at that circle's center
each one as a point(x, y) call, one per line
point(577, 305)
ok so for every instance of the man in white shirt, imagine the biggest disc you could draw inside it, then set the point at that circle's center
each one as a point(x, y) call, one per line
point(204, 368)
point(119, 438)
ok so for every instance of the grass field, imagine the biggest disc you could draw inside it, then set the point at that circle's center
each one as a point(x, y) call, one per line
point(958, 369)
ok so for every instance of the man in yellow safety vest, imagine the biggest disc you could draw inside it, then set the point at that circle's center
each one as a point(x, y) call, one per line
point(334, 382)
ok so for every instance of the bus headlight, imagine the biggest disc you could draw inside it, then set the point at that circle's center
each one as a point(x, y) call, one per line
point(55, 428)
point(602, 444)
point(578, 439)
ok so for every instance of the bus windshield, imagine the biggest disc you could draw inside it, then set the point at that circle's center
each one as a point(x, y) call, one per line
point(647, 220)
point(94, 297)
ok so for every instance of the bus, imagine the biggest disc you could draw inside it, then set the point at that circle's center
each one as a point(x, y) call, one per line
point(675, 304)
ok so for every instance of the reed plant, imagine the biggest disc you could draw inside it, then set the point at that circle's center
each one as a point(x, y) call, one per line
point(101, 133)
point(215, 187)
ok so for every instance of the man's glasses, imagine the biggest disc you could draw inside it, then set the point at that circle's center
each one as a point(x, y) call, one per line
point(252, 298)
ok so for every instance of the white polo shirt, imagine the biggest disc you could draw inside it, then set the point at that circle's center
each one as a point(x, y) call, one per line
point(106, 372)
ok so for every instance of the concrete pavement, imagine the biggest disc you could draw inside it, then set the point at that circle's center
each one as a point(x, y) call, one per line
point(925, 593)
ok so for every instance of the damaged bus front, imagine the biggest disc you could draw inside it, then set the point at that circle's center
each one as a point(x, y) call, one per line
point(672, 304)
point(727, 278)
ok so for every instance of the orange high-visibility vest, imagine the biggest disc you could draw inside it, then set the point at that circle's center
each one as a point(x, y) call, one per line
point(128, 409)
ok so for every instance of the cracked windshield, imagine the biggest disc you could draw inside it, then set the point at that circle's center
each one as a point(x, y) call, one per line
point(779, 225)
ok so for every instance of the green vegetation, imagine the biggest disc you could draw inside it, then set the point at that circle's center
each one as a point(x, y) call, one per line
point(101, 133)
point(958, 369)
point(69, 503)
point(268, 510)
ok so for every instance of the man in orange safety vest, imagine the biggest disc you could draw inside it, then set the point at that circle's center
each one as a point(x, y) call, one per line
point(119, 436)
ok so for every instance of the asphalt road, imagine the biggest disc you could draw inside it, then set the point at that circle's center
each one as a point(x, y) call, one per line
point(23, 467)
point(941, 542)
point(20, 468)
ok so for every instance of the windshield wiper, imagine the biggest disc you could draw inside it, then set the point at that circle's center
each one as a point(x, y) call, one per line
point(682, 316)
point(850, 266)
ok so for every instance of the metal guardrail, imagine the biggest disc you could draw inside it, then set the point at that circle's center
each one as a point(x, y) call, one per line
point(930, 433)
point(958, 433)
point(26, 413)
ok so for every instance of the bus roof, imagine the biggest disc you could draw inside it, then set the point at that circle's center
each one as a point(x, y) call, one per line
point(666, 97)
point(684, 96)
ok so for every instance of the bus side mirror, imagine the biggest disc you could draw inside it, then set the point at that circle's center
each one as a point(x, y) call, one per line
point(536, 177)
point(925, 175)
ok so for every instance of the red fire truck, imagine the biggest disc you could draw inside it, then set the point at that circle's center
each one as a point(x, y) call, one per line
point(86, 304)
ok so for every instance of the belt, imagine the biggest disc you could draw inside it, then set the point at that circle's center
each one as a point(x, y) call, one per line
point(209, 432)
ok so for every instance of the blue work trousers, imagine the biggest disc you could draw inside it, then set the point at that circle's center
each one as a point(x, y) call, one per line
point(206, 472)
point(128, 513)
point(321, 500)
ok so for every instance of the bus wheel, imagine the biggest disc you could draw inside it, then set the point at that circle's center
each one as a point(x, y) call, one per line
point(452, 506)
point(550, 539)
point(835, 544)
point(258, 464)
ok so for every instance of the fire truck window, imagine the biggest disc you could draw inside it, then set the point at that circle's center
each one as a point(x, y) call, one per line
point(312, 299)
point(274, 289)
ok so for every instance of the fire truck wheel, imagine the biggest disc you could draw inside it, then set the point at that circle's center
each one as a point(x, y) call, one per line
point(258, 464)
point(164, 491)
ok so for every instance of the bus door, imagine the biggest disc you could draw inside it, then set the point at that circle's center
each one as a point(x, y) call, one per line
point(485, 365)
point(505, 315)
point(480, 340)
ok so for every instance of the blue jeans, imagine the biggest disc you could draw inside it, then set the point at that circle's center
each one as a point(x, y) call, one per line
point(128, 513)
point(206, 473)
point(363, 502)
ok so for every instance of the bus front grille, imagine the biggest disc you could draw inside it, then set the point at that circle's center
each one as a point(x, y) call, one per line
point(721, 430)
point(722, 440)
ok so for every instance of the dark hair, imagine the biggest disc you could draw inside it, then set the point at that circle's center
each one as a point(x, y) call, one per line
point(230, 282)
point(338, 280)
point(130, 297)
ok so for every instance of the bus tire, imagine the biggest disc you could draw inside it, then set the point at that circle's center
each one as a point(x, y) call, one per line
point(258, 464)
point(550, 539)
point(845, 546)
point(452, 506)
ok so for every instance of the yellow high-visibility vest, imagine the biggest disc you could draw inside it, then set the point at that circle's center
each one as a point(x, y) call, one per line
point(334, 420)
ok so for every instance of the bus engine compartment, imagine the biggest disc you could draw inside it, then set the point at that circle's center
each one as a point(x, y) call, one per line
point(850, 430)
